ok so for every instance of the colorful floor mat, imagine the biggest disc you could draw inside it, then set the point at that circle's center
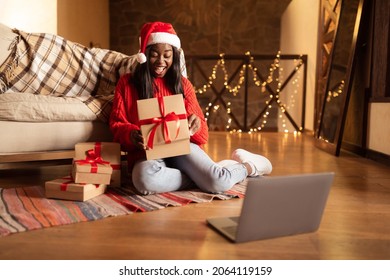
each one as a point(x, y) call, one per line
point(27, 208)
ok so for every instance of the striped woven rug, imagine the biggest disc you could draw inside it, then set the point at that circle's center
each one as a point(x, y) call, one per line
point(27, 208)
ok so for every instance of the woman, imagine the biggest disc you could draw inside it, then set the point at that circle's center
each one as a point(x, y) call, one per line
point(159, 73)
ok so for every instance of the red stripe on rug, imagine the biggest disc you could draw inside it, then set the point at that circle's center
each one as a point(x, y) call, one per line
point(4, 231)
point(124, 202)
point(178, 199)
point(235, 193)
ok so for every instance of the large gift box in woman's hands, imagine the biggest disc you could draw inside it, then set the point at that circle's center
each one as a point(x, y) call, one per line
point(164, 126)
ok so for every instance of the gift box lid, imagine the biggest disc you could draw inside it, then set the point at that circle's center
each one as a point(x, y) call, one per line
point(67, 184)
point(85, 166)
point(108, 151)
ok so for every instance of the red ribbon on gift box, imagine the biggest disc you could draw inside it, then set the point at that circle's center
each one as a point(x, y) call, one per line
point(64, 185)
point(163, 120)
point(93, 158)
point(97, 150)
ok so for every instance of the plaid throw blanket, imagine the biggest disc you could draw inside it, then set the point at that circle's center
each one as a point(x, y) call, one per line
point(47, 64)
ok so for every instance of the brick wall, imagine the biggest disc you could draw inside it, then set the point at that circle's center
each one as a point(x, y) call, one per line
point(204, 26)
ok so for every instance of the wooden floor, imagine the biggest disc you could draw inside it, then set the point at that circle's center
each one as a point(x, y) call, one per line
point(356, 223)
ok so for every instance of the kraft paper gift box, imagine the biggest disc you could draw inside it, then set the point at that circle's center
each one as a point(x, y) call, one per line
point(108, 151)
point(164, 126)
point(65, 188)
point(84, 171)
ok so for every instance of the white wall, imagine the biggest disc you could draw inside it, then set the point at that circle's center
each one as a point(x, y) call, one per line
point(299, 33)
point(81, 21)
point(84, 21)
point(30, 16)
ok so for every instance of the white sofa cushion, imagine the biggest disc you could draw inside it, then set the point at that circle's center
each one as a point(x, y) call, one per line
point(24, 137)
point(27, 107)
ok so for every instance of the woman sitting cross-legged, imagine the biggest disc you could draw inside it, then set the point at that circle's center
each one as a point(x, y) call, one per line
point(159, 73)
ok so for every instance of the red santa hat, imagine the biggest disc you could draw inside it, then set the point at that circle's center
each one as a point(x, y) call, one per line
point(154, 33)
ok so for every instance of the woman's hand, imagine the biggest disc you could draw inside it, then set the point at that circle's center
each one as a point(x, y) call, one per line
point(137, 139)
point(193, 124)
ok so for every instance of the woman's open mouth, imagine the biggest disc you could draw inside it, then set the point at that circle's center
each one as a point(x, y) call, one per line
point(159, 70)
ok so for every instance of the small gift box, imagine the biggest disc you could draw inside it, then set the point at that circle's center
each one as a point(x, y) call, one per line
point(91, 172)
point(66, 188)
point(164, 126)
point(108, 151)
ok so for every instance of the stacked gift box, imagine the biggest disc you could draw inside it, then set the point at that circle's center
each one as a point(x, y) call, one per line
point(96, 166)
point(66, 188)
point(107, 151)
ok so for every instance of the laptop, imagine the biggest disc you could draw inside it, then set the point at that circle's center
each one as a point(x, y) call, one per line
point(277, 206)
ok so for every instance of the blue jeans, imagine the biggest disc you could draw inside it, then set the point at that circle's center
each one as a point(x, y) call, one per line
point(182, 172)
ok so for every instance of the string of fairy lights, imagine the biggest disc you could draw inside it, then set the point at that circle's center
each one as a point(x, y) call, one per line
point(292, 97)
point(275, 74)
point(335, 93)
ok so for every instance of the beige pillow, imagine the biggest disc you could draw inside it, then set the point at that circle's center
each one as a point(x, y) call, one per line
point(28, 107)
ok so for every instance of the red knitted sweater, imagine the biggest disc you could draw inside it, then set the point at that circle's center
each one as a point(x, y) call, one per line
point(124, 114)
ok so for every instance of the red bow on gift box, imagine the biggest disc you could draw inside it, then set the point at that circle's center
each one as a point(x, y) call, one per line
point(93, 158)
point(163, 120)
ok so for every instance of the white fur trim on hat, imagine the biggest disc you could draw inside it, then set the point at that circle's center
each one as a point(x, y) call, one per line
point(164, 38)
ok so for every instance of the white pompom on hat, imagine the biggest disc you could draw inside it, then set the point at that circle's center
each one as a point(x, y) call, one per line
point(155, 33)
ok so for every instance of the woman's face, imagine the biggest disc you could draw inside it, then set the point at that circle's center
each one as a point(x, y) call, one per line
point(160, 59)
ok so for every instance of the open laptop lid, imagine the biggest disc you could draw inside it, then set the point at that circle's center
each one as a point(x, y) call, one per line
point(280, 206)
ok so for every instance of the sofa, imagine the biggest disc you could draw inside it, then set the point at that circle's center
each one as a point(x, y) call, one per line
point(54, 93)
